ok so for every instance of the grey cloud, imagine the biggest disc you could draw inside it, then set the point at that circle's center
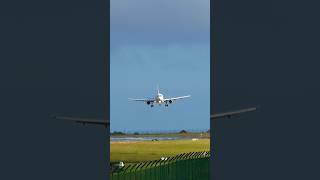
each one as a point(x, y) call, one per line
point(154, 21)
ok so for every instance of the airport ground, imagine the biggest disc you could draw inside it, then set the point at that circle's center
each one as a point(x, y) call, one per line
point(181, 135)
point(137, 151)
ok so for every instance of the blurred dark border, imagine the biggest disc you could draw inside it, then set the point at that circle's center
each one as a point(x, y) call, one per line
point(265, 53)
point(54, 60)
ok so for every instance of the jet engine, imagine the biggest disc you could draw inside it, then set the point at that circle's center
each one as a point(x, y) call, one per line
point(170, 101)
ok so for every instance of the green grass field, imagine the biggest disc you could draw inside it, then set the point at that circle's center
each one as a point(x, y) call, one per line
point(131, 152)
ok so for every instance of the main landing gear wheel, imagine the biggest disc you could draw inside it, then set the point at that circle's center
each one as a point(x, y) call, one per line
point(151, 105)
point(166, 105)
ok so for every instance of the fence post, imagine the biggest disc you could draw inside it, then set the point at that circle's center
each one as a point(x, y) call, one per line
point(123, 171)
point(150, 169)
point(169, 164)
point(144, 170)
point(137, 171)
point(131, 174)
point(191, 160)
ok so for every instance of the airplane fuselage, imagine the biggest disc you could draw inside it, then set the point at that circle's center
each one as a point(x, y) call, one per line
point(159, 98)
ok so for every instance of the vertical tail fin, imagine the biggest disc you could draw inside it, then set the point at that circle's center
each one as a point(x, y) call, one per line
point(158, 89)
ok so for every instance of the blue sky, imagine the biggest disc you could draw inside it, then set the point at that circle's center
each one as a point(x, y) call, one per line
point(160, 42)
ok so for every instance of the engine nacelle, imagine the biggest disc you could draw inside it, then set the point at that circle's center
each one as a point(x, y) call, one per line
point(148, 102)
point(170, 101)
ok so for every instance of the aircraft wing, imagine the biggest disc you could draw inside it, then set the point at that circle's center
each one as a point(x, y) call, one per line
point(176, 98)
point(232, 113)
point(143, 100)
point(84, 120)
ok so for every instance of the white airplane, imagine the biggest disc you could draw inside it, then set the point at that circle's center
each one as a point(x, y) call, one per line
point(159, 99)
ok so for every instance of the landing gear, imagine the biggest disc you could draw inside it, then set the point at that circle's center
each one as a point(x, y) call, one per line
point(166, 105)
point(151, 105)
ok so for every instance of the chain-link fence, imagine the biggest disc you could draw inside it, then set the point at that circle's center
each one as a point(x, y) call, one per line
point(186, 166)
